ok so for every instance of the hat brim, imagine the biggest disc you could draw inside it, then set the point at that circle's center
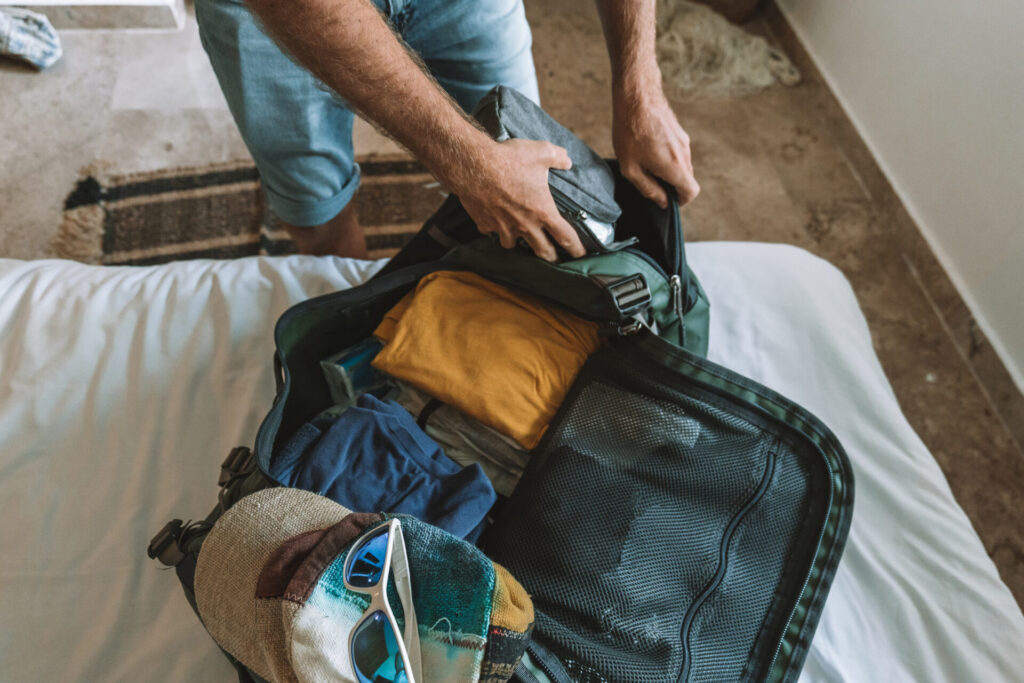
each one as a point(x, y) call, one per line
point(229, 565)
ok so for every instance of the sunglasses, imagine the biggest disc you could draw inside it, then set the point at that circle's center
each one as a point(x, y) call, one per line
point(379, 652)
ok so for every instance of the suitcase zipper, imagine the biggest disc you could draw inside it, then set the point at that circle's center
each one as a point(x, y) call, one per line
point(649, 259)
point(578, 216)
point(570, 206)
point(540, 660)
point(723, 551)
point(803, 587)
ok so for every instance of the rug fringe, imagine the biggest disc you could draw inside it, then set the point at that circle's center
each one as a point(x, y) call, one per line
point(80, 236)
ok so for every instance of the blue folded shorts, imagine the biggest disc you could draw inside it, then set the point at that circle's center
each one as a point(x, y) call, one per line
point(375, 458)
point(300, 133)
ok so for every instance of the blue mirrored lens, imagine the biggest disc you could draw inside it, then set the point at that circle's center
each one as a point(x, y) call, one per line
point(367, 562)
point(375, 655)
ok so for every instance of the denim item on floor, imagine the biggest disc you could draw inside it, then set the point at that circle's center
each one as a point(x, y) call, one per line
point(300, 133)
point(374, 457)
point(28, 36)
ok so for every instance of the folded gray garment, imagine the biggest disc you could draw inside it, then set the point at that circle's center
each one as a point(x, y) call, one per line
point(28, 36)
point(465, 440)
point(584, 193)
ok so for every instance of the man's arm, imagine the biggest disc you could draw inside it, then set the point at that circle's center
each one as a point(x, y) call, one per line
point(351, 48)
point(647, 137)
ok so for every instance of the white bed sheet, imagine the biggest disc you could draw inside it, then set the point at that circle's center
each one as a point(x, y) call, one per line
point(122, 389)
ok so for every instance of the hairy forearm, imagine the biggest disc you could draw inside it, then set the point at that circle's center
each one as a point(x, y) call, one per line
point(648, 140)
point(629, 33)
point(350, 47)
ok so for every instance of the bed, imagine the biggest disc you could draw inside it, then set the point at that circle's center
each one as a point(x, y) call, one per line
point(122, 389)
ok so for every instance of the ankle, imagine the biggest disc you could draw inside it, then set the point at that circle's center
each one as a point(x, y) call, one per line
point(340, 236)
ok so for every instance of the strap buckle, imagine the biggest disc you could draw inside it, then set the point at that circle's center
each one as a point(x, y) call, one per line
point(240, 462)
point(165, 547)
point(630, 294)
point(632, 298)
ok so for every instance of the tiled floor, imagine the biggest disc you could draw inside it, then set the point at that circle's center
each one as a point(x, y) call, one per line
point(786, 165)
point(782, 166)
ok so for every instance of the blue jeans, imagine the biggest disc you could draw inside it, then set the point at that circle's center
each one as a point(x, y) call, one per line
point(300, 132)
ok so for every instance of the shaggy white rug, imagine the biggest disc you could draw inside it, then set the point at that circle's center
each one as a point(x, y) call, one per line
point(702, 54)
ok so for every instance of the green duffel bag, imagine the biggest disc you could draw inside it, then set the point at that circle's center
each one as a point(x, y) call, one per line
point(677, 521)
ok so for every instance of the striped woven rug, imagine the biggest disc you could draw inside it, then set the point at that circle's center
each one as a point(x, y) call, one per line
point(221, 212)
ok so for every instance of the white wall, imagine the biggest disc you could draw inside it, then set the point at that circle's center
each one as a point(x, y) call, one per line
point(936, 89)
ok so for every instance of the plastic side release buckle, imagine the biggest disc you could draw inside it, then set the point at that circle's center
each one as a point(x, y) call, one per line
point(631, 294)
point(164, 546)
point(239, 462)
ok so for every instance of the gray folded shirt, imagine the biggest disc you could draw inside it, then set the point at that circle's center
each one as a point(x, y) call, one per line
point(465, 440)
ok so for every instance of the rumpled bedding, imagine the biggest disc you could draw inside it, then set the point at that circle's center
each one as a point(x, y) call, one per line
point(122, 390)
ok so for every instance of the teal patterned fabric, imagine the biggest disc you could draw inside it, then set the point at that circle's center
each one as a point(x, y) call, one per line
point(453, 581)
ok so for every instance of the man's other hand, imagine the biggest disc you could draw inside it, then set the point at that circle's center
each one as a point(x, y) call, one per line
point(505, 191)
point(650, 144)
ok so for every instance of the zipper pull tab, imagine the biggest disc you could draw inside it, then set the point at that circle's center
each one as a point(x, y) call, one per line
point(676, 284)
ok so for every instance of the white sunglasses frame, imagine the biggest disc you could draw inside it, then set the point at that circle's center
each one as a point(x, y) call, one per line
point(396, 557)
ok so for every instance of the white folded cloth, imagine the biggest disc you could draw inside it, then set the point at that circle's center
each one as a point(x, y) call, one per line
point(28, 36)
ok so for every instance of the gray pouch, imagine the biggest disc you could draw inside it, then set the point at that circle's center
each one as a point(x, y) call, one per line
point(584, 194)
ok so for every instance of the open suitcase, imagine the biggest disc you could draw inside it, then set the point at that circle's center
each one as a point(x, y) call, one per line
point(677, 521)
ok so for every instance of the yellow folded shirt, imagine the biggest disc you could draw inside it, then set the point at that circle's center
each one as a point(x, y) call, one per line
point(501, 357)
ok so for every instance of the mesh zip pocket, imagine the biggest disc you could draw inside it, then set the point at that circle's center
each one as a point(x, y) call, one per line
point(656, 531)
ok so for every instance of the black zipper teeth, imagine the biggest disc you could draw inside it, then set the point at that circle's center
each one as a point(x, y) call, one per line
point(803, 587)
point(648, 258)
point(723, 550)
point(567, 203)
point(541, 662)
point(574, 210)
point(677, 233)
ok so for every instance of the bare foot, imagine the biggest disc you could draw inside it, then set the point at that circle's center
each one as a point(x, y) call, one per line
point(340, 236)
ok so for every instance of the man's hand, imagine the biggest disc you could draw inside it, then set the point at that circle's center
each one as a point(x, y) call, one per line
point(650, 144)
point(647, 137)
point(506, 193)
point(504, 187)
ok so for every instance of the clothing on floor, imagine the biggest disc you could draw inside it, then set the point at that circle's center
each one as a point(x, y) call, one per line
point(465, 440)
point(374, 457)
point(503, 358)
point(28, 36)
